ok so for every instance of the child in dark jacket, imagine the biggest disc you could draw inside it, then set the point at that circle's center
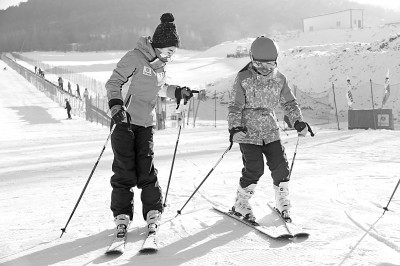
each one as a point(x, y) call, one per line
point(68, 107)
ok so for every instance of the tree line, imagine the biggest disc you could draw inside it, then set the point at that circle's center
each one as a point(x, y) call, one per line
point(95, 25)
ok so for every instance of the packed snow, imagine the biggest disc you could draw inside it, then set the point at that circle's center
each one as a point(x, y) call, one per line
point(340, 183)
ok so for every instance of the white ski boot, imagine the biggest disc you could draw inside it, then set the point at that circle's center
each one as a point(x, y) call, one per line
point(122, 222)
point(153, 221)
point(282, 202)
point(242, 206)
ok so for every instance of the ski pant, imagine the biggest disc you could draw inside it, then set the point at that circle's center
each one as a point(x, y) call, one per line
point(253, 163)
point(133, 165)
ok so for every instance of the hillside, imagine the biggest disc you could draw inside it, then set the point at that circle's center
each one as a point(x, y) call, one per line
point(314, 61)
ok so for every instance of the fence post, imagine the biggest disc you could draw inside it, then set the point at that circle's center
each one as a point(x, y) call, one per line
point(334, 100)
point(215, 108)
point(373, 104)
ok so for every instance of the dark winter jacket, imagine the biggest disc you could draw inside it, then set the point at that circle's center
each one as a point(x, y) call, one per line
point(253, 101)
point(147, 81)
point(67, 106)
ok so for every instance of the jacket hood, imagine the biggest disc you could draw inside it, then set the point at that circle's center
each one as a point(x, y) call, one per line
point(144, 45)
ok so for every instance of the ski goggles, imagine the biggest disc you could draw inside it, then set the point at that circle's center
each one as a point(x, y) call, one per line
point(264, 64)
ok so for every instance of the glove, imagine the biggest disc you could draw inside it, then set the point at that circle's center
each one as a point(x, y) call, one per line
point(182, 93)
point(202, 95)
point(237, 134)
point(118, 113)
point(302, 128)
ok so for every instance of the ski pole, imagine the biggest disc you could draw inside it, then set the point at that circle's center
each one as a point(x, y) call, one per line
point(172, 166)
point(212, 169)
point(294, 157)
point(282, 128)
point(179, 110)
point(63, 230)
point(386, 208)
point(295, 150)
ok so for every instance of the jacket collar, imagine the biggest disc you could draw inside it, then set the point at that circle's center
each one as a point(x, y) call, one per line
point(145, 47)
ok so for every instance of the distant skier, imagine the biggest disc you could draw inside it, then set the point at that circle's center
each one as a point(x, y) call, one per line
point(86, 94)
point(60, 83)
point(258, 89)
point(132, 139)
point(68, 107)
point(78, 92)
point(69, 88)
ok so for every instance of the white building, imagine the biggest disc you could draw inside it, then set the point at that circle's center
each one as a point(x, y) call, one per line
point(346, 19)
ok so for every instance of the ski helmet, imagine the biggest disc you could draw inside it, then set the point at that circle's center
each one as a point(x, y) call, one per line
point(264, 49)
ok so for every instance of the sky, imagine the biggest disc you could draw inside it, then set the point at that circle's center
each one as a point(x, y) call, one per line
point(340, 182)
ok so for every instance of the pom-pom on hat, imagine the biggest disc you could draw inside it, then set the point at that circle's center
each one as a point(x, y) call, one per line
point(165, 34)
point(264, 49)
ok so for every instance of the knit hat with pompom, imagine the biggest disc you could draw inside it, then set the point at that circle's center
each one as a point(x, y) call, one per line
point(165, 34)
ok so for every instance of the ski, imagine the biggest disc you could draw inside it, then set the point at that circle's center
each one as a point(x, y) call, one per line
point(272, 232)
point(291, 228)
point(117, 246)
point(150, 244)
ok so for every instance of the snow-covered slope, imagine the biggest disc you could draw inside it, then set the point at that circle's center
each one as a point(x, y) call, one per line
point(340, 182)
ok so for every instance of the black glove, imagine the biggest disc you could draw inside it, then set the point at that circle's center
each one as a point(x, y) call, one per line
point(302, 128)
point(184, 93)
point(118, 113)
point(235, 130)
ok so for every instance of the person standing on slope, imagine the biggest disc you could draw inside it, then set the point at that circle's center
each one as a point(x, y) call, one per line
point(132, 139)
point(257, 91)
point(68, 107)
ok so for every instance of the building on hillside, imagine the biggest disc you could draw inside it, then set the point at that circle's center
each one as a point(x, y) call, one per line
point(346, 19)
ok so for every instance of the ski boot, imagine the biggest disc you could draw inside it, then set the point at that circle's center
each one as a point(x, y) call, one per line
point(122, 222)
point(153, 221)
point(242, 206)
point(282, 202)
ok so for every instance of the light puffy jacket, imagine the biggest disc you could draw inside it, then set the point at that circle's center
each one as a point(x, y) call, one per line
point(253, 101)
point(147, 82)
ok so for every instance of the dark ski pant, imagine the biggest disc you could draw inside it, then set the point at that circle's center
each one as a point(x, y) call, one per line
point(69, 113)
point(253, 163)
point(133, 165)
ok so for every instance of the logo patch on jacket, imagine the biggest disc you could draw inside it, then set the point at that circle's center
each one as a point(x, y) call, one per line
point(147, 71)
